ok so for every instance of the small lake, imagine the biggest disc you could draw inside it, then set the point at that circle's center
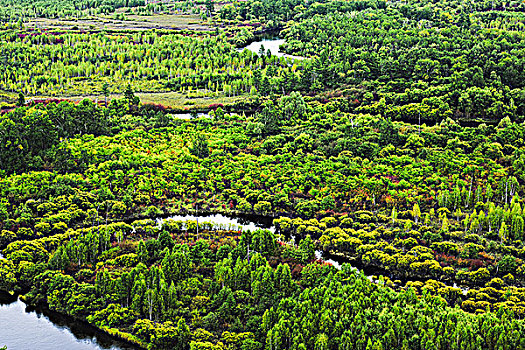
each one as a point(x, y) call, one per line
point(23, 328)
point(272, 45)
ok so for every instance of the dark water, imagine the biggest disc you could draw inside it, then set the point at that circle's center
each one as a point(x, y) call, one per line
point(26, 328)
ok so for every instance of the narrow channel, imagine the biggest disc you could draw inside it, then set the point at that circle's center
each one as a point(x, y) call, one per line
point(234, 223)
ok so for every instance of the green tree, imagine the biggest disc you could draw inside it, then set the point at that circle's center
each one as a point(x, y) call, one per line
point(416, 212)
point(129, 95)
point(445, 224)
point(142, 252)
point(200, 147)
point(105, 92)
point(210, 7)
point(21, 101)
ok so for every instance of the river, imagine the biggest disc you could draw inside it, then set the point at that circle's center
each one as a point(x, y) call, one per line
point(254, 222)
point(240, 223)
point(22, 327)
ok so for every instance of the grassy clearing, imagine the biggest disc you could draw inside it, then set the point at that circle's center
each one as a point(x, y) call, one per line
point(171, 99)
point(133, 22)
point(178, 100)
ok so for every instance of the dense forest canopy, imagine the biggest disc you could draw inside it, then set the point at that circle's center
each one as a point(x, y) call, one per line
point(425, 59)
point(391, 143)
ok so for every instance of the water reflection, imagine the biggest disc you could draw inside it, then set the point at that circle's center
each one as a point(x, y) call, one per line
point(23, 327)
point(272, 45)
point(188, 116)
point(254, 222)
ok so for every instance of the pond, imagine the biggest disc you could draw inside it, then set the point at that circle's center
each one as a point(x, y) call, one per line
point(23, 327)
point(272, 45)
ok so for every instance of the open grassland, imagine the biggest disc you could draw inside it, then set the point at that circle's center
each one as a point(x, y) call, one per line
point(170, 99)
point(131, 22)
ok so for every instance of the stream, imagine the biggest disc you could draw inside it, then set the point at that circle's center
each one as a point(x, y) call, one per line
point(234, 223)
point(253, 223)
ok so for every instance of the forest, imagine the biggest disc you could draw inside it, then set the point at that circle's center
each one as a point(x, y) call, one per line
point(386, 158)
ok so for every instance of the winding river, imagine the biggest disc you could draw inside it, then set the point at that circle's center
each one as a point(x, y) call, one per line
point(233, 223)
point(23, 327)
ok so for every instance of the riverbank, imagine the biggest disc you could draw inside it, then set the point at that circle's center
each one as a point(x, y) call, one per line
point(51, 330)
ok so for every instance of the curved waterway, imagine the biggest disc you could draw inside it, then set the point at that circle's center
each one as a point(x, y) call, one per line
point(240, 223)
point(23, 328)
point(253, 223)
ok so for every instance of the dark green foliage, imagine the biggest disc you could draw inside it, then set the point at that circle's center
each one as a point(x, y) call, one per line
point(129, 95)
point(21, 101)
point(336, 144)
point(200, 147)
point(16, 11)
point(27, 134)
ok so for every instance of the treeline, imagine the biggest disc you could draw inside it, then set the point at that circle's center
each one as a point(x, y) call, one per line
point(58, 65)
point(442, 12)
point(413, 72)
point(15, 10)
point(27, 134)
point(274, 13)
